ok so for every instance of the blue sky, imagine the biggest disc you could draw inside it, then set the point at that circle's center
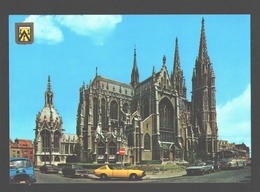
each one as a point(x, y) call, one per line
point(69, 48)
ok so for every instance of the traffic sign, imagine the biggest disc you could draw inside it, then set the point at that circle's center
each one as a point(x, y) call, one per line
point(122, 151)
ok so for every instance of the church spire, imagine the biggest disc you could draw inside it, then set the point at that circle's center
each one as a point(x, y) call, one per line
point(49, 94)
point(203, 53)
point(177, 77)
point(135, 73)
point(176, 63)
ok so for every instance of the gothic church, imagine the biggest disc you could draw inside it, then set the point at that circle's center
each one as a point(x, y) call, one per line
point(152, 119)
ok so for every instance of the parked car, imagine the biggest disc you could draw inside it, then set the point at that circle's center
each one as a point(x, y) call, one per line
point(118, 171)
point(49, 168)
point(214, 164)
point(21, 171)
point(199, 168)
point(211, 163)
point(74, 170)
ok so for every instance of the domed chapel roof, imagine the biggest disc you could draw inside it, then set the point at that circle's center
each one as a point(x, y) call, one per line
point(48, 112)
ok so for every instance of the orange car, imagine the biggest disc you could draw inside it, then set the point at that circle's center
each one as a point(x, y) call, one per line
point(118, 171)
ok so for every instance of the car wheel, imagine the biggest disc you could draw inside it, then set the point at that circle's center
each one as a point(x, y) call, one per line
point(133, 177)
point(103, 176)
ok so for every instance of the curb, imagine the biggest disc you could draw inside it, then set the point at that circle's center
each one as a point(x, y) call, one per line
point(164, 176)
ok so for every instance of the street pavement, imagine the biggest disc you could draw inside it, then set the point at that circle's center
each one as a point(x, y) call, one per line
point(149, 175)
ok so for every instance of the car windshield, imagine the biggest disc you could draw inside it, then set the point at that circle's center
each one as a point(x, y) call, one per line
point(77, 167)
point(20, 164)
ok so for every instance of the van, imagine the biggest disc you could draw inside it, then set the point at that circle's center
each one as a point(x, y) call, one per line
point(21, 171)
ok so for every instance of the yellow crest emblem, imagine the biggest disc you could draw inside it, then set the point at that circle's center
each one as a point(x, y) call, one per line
point(24, 33)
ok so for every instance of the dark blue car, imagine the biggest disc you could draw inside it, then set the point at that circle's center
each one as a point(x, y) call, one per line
point(21, 171)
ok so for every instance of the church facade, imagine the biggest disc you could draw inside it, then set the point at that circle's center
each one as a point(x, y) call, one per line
point(152, 119)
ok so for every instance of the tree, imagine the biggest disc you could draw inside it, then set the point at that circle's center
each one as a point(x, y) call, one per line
point(191, 154)
point(77, 150)
point(202, 155)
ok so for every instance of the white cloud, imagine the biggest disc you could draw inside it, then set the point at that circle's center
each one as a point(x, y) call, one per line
point(45, 30)
point(97, 27)
point(234, 119)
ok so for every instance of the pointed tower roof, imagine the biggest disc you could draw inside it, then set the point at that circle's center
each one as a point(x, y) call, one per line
point(176, 62)
point(135, 73)
point(49, 94)
point(135, 63)
point(203, 53)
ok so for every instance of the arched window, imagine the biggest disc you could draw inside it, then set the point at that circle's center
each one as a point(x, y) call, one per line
point(146, 141)
point(166, 120)
point(101, 148)
point(95, 112)
point(56, 141)
point(146, 108)
point(57, 158)
point(66, 148)
point(166, 114)
point(112, 148)
point(103, 112)
point(125, 109)
point(46, 136)
point(71, 148)
point(45, 158)
point(113, 110)
point(130, 140)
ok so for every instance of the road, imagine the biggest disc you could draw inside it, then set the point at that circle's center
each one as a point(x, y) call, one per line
point(242, 175)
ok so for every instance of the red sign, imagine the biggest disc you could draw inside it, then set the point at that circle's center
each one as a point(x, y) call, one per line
point(122, 151)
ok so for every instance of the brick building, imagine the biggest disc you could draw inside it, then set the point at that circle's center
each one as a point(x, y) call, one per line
point(21, 148)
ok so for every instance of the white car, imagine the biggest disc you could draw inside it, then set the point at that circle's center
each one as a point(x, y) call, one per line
point(199, 168)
